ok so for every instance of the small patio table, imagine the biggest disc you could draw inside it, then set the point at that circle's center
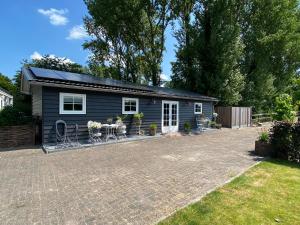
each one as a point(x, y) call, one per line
point(110, 130)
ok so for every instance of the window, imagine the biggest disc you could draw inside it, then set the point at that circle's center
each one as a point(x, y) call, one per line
point(72, 103)
point(130, 105)
point(198, 108)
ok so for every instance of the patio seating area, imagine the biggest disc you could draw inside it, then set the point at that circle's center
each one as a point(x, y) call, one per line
point(99, 134)
point(73, 145)
point(110, 132)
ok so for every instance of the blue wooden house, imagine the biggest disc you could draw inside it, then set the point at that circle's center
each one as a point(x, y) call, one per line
point(79, 98)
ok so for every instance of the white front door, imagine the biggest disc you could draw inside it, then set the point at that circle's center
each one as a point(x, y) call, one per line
point(170, 116)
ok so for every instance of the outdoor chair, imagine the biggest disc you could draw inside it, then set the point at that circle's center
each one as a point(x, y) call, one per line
point(121, 131)
point(62, 138)
point(199, 125)
point(76, 131)
point(95, 135)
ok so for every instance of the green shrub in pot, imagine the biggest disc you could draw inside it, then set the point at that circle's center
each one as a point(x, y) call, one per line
point(153, 129)
point(187, 127)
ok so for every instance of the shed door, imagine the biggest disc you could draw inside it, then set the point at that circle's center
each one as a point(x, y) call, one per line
point(170, 116)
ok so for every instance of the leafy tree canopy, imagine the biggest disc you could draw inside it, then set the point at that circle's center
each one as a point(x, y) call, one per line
point(128, 38)
point(56, 63)
point(6, 83)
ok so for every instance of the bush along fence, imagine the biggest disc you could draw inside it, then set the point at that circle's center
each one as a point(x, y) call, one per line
point(285, 140)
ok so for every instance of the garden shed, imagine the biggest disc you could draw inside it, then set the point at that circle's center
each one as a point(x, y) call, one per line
point(234, 117)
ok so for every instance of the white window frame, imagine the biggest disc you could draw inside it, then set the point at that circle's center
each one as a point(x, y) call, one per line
point(130, 112)
point(61, 103)
point(195, 104)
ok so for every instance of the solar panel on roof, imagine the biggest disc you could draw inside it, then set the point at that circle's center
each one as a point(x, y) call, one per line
point(83, 78)
point(42, 73)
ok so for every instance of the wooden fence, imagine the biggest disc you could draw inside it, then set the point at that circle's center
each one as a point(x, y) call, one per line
point(234, 117)
point(262, 117)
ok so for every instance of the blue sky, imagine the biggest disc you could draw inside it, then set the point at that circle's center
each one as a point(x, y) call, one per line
point(31, 28)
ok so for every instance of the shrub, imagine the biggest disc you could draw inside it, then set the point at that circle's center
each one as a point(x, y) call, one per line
point(285, 139)
point(153, 126)
point(10, 116)
point(264, 136)
point(284, 109)
point(109, 120)
point(187, 127)
point(138, 118)
point(152, 129)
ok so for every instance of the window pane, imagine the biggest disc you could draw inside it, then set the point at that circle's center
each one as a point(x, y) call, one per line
point(174, 115)
point(198, 108)
point(127, 108)
point(68, 99)
point(68, 107)
point(130, 105)
point(78, 107)
point(78, 100)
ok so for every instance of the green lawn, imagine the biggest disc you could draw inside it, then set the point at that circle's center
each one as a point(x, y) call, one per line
point(269, 193)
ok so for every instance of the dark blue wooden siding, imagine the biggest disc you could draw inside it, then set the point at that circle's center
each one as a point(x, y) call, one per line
point(100, 106)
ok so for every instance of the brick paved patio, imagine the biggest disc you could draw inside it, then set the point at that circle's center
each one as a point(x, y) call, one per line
point(127, 183)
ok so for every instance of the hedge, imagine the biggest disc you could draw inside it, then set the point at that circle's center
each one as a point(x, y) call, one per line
point(285, 139)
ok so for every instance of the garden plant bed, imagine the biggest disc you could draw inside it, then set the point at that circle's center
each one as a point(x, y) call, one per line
point(269, 193)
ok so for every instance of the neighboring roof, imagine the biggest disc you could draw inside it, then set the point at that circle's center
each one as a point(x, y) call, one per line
point(5, 91)
point(47, 77)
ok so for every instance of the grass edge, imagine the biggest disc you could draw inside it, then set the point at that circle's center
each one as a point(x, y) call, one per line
point(210, 191)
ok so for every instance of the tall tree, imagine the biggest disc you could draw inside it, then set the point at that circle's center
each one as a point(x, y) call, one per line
point(157, 15)
point(184, 67)
point(216, 51)
point(270, 33)
point(113, 26)
point(128, 38)
point(220, 49)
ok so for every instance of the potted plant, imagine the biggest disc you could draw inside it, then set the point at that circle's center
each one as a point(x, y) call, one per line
point(152, 129)
point(262, 145)
point(187, 127)
point(212, 124)
point(218, 126)
point(109, 120)
point(138, 122)
point(120, 119)
point(215, 115)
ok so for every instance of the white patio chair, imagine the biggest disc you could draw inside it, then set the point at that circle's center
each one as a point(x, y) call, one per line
point(95, 135)
point(121, 131)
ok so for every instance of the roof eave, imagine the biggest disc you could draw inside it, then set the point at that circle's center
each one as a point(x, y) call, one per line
point(110, 90)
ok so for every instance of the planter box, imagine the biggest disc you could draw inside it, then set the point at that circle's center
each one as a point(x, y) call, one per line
point(16, 136)
point(263, 148)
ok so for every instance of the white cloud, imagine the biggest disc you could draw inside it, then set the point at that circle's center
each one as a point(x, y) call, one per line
point(56, 16)
point(36, 56)
point(77, 32)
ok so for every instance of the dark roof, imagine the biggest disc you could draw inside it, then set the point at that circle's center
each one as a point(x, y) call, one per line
point(49, 77)
point(5, 91)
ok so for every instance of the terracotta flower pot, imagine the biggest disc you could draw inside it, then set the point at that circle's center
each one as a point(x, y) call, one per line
point(263, 148)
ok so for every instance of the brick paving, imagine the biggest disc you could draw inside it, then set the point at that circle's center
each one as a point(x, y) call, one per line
point(127, 183)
